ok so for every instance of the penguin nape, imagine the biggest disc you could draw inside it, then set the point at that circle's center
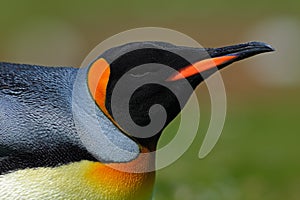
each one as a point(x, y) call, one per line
point(44, 154)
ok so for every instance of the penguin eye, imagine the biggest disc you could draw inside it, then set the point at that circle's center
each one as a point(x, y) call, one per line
point(139, 75)
point(144, 70)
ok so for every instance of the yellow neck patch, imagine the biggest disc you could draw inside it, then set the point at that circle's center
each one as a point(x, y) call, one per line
point(80, 180)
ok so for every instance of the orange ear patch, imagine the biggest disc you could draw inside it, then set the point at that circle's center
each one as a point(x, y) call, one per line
point(199, 67)
point(98, 77)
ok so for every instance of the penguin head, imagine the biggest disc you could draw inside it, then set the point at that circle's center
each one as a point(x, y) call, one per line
point(140, 84)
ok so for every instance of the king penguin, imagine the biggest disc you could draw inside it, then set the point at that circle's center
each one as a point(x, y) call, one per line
point(65, 132)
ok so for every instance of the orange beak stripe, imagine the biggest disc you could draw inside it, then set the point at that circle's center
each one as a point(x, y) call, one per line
point(199, 67)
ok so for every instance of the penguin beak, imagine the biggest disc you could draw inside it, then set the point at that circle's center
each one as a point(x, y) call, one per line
point(219, 58)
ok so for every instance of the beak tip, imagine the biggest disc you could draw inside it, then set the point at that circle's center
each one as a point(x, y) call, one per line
point(262, 45)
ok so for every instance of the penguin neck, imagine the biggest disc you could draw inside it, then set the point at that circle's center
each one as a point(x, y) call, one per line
point(130, 180)
point(98, 134)
point(148, 143)
point(144, 163)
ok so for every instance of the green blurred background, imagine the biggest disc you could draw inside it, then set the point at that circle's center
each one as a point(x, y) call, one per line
point(258, 154)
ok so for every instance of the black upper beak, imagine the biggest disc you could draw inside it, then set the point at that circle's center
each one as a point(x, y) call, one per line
point(241, 51)
point(220, 58)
